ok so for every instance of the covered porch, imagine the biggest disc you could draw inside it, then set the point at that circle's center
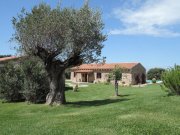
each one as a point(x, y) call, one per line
point(84, 76)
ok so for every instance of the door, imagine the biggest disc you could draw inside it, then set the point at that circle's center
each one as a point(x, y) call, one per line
point(84, 77)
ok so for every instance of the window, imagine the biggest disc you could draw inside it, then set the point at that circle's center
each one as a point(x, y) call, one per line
point(98, 75)
point(74, 74)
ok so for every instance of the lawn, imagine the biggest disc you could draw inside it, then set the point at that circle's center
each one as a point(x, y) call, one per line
point(94, 110)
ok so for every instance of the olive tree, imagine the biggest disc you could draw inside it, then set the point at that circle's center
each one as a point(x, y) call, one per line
point(62, 38)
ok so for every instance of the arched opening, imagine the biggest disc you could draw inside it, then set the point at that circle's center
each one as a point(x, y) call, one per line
point(137, 79)
point(143, 78)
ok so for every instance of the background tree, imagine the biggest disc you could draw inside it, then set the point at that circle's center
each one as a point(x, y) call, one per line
point(155, 73)
point(3, 56)
point(62, 38)
point(115, 75)
point(117, 72)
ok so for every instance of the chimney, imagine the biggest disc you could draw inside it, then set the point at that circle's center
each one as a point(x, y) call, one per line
point(104, 60)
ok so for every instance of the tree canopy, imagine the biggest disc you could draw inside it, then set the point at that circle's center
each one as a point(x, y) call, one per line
point(70, 36)
point(155, 73)
point(3, 56)
point(115, 74)
point(62, 38)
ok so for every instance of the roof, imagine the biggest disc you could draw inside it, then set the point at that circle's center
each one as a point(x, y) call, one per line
point(84, 71)
point(8, 58)
point(105, 66)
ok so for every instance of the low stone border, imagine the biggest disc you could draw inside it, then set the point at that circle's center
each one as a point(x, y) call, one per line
point(79, 84)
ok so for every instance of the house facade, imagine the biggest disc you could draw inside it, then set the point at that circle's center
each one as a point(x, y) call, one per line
point(132, 73)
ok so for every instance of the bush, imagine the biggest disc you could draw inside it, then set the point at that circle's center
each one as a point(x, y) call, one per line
point(36, 86)
point(107, 82)
point(11, 82)
point(171, 80)
point(25, 80)
point(68, 74)
point(154, 80)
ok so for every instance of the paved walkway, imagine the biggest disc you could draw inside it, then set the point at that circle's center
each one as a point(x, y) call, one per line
point(80, 84)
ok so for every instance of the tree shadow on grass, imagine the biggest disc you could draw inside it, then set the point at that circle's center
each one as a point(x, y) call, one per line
point(96, 102)
point(67, 88)
point(125, 95)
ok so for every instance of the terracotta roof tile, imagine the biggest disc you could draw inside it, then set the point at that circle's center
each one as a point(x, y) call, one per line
point(84, 71)
point(104, 66)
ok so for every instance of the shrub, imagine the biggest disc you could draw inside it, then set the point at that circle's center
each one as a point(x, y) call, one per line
point(171, 80)
point(107, 82)
point(109, 78)
point(36, 86)
point(11, 82)
point(68, 74)
point(154, 80)
point(25, 80)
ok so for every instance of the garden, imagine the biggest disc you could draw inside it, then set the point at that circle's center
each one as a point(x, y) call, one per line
point(95, 110)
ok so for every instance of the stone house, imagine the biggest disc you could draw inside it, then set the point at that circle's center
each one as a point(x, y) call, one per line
point(132, 73)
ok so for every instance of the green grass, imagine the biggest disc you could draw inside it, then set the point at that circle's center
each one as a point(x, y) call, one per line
point(95, 111)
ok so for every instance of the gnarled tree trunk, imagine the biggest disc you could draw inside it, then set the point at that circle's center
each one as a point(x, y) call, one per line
point(56, 94)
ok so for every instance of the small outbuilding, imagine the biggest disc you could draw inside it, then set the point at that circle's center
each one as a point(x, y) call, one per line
point(132, 73)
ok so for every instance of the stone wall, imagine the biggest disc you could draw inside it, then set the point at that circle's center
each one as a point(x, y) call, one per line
point(137, 74)
point(104, 76)
point(91, 77)
point(77, 77)
point(126, 78)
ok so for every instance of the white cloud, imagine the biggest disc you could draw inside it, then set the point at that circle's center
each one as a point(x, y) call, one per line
point(153, 17)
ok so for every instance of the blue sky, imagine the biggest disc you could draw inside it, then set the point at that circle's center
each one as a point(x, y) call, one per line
point(146, 31)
